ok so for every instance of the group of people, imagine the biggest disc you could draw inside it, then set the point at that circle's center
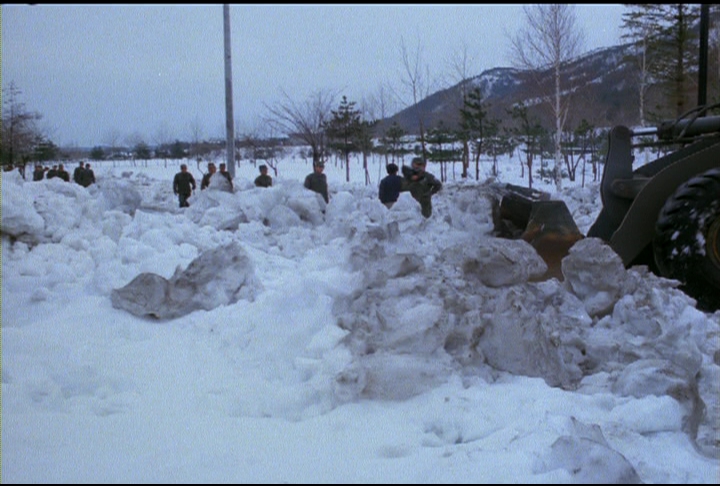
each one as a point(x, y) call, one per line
point(421, 184)
point(184, 182)
point(205, 182)
point(83, 174)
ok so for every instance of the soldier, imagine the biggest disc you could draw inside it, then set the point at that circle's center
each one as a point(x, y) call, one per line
point(87, 177)
point(263, 180)
point(422, 185)
point(52, 172)
point(317, 181)
point(226, 175)
point(205, 182)
point(38, 173)
point(77, 174)
point(62, 173)
point(183, 185)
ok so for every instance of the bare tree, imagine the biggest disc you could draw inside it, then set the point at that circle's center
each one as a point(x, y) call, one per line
point(196, 135)
point(20, 134)
point(418, 83)
point(460, 67)
point(162, 134)
point(111, 138)
point(161, 138)
point(378, 107)
point(137, 143)
point(305, 120)
point(549, 40)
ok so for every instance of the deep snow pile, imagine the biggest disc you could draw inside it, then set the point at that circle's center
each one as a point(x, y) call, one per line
point(429, 299)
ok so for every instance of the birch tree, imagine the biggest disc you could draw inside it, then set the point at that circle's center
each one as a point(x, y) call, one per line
point(548, 41)
point(639, 31)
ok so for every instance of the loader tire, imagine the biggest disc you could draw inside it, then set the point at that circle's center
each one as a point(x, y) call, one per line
point(686, 246)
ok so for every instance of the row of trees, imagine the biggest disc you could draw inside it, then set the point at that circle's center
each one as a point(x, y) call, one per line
point(342, 132)
point(666, 47)
point(346, 132)
point(544, 48)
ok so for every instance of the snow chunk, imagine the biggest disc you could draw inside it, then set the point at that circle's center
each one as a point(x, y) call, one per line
point(220, 276)
point(595, 274)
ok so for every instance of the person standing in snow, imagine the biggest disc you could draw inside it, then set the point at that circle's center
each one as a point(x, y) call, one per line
point(52, 172)
point(226, 175)
point(88, 176)
point(422, 185)
point(390, 186)
point(77, 174)
point(183, 185)
point(205, 182)
point(38, 173)
point(263, 180)
point(317, 181)
point(62, 173)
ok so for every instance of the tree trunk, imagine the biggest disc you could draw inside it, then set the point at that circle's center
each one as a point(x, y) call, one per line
point(557, 170)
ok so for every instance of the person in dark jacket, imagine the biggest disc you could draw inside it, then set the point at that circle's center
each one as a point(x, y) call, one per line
point(390, 186)
point(422, 185)
point(77, 174)
point(87, 176)
point(62, 173)
point(263, 180)
point(183, 185)
point(205, 182)
point(317, 181)
point(52, 172)
point(38, 173)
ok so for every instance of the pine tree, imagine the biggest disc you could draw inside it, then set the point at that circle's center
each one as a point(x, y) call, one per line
point(530, 133)
point(393, 142)
point(343, 129)
point(442, 147)
point(364, 143)
point(673, 43)
point(476, 125)
point(46, 150)
point(97, 153)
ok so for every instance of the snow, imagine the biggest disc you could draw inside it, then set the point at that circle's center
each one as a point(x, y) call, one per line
point(294, 341)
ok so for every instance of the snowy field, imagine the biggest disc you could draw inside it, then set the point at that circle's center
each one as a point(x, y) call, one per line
point(299, 342)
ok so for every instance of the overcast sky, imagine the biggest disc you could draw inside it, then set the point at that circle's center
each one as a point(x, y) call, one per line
point(158, 71)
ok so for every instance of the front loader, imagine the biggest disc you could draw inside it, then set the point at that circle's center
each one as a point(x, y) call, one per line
point(664, 214)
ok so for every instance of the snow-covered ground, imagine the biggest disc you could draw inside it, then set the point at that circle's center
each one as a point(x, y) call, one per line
point(347, 343)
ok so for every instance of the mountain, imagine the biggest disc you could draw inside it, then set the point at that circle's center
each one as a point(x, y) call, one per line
point(605, 93)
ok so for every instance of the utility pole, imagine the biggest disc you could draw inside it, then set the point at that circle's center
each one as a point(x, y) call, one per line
point(229, 124)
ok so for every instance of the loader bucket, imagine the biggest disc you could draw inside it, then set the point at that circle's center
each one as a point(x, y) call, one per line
point(551, 230)
point(546, 224)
